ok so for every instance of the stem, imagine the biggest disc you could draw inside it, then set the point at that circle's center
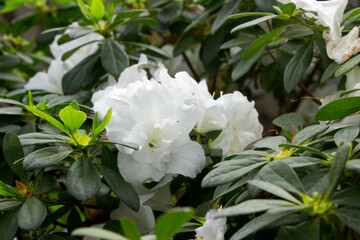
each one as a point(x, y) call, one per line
point(304, 24)
point(307, 92)
point(189, 64)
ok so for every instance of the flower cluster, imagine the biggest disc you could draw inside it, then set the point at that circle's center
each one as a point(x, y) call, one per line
point(158, 115)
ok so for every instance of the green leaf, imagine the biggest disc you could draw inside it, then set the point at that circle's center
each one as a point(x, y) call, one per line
point(78, 32)
point(249, 14)
point(258, 223)
point(6, 190)
point(73, 119)
point(10, 101)
point(121, 188)
point(229, 172)
point(309, 230)
point(97, 9)
point(346, 135)
point(350, 217)
point(11, 111)
point(308, 133)
point(83, 74)
point(316, 181)
point(130, 229)
point(237, 42)
point(289, 121)
point(271, 142)
point(83, 180)
point(108, 159)
point(226, 11)
point(329, 72)
point(262, 41)
point(46, 157)
point(243, 66)
point(252, 206)
point(13, 151)
point(339, 109)
point(69, 53)
point(337, 167)
point(297, 66)
point(29, 139)
point(84, 10)
point(353, 165)
point(113, 58)
point(348, 66)
point(8, 61)
point(8, 225)
point(7, 204)
point(211, 8)
point(55, 215)
point(48, 118)
point(170, 11)
point(183, 45)
point(73, 221)
point(282, 175)
point(31, 214)
point(348, 197)
point(306, 149)
point(274, 189)
point(45, 184)
point(288, 8)
point(128, 14)
point(168, 224)
point(11, 77)
point(253, 22)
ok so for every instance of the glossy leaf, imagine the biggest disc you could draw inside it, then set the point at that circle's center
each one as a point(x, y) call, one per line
point(46, 157)
point(31, 214)
point(72, 119)
point(339, 109)
point(113, 58)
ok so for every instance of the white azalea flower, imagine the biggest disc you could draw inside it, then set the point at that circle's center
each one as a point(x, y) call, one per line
point(147, 114)
point(52, 80)
point(353, 79)
point(213, 229)
point(242, 125)
point(343, 48)
point(328, 14)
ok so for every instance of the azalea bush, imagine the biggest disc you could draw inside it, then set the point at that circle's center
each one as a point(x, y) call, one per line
point(139, 119)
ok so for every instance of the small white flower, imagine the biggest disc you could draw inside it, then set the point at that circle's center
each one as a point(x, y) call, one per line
point(52, 80)
point(343, 48)
point(242, 125)
point(213, 229)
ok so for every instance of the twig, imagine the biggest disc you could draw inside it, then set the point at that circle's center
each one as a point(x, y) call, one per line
point(193, 71)
point(307, 92)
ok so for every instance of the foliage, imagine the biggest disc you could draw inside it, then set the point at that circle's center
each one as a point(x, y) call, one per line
point(63, 157)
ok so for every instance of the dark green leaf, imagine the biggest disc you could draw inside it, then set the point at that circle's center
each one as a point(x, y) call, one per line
point(83, 74)
point(8, 61)
point(11, 77)
point(297, 66)
point(244, 66)
point(339, 109)
point(289, 121)
point(108, 159)
point(121, 188)
point(280, 174)
point(31, 214)
point(7, 204)
point(45, 184)
point(329, 72)
point(337, 167)
point(83, 180)
point(170, 11)
point(308, 133)
point(348, 66)
point(46, 157)
point(73, 221)
point(8, 225)
point(350, 217)
point(113, 58)
point(253, 22)
point(347, 197)
point(29, 139)
point(306, 149)
point(262, 41)
point(226, 11)
point(13, 152)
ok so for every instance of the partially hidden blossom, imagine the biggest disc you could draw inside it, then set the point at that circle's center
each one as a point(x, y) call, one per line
point(213, 228)
point(51, 81)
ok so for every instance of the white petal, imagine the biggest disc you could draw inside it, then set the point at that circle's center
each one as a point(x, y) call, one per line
point(187, 160)
point(144, 219)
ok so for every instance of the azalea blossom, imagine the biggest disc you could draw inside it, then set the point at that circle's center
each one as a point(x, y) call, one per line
point(52, 80)
point(213, 229)
point(242, 125)
point(343, 48)
point(147, 114)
